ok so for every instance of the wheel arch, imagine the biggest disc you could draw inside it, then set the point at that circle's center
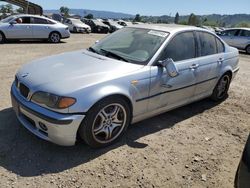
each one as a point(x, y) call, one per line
point(227, 70)
point(54, 31)
point(3, 34)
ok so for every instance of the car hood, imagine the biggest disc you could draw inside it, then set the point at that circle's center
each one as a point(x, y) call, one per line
point(81, 25)
point(72, 71)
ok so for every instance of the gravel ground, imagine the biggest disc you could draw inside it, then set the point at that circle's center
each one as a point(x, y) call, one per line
point(198, 145)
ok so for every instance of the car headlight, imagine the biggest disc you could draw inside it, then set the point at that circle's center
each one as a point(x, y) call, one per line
point(52, 101)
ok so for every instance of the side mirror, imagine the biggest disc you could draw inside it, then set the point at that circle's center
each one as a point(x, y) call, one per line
point(13, 22)
point(170, 66)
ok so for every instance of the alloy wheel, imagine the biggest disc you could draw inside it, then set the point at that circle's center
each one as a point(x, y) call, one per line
point(223, 86)
point(109, 123)
point(55, 38)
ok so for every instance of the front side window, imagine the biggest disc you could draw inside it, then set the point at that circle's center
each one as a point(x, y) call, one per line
point(23, 20)
point(181, 47)
point(131, 44)
point(245, 33)
point(232, 32)
point(208, 44)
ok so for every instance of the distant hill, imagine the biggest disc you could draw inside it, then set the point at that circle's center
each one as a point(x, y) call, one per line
point(96, 13)
point(214, 19)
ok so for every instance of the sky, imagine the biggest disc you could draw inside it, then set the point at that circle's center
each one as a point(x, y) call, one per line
point(154, 7)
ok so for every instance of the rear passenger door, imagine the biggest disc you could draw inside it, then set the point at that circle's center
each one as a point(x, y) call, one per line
point(211, 57)
point(243, 39)
point(41, 28)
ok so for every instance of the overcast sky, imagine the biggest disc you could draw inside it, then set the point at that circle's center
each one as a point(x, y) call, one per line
point(154, 7)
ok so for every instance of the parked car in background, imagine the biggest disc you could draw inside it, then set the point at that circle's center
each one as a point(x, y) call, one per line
point(114, 26)
point(77, 26)
point(124, 23)
point(238, 38)
point(209, 28)
point(130, 75)
point(242, 179)
point(30, 27)
point(96, 25)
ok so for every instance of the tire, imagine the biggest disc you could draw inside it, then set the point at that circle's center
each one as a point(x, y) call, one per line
point(105, 122)
point(220, 91)
point(2, 38)
point(74, 30)
point(248, 49)
point(54, 37)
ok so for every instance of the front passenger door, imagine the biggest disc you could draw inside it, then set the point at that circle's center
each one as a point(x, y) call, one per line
point(168, 92)
point(22, 30)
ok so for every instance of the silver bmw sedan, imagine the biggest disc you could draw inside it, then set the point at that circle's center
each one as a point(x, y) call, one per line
point(30, 27)
point(132, 74)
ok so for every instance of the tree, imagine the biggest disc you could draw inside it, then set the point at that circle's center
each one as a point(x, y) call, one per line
point(243, 24)
point(20, 10)
point(177, 17)
point(6, 8)
point(64, 11)
point(193, 20)
point(89, 16)
point(137, 18)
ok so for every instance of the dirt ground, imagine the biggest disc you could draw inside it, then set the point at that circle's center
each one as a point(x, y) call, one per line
point(198, 145)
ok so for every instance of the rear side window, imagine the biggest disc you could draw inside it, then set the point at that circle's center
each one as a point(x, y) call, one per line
point(220, 46)
point(39, 21)
point(181, 47)
point(208, 44)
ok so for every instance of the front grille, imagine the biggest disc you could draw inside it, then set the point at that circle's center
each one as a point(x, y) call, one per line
point(24, 90)
point(32, 123)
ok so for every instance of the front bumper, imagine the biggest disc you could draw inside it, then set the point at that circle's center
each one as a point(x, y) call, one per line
point(65, 34)
point(59, 128)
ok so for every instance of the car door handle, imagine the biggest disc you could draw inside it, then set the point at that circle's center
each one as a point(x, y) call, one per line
point(220, 60)
point(194, 66)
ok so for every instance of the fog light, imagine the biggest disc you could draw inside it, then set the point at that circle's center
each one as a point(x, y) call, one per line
point(42, 126)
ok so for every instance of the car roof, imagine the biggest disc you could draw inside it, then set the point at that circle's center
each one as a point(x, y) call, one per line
point(170, 28)
point(29, 15)
point(238, 28)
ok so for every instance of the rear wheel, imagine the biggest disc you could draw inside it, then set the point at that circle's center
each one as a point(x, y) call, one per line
point(248, 49)
point(105, 122)
point(220, 91)
point(54, 37)
point(2, 38)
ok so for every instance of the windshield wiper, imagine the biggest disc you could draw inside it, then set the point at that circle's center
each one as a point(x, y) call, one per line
point(93, 50)
point(109, 53)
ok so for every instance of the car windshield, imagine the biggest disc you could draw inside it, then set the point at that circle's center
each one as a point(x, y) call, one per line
point(97, 22)
point(8, 19)
point(77, 21)
point(131, 44)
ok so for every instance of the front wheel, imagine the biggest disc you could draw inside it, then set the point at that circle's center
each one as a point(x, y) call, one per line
point(2, 38)
point(105, 122)
point(220, 91)
point(54, 37)
point(248, 49)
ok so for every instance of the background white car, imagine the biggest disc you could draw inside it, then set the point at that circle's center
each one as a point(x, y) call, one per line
point(77, 26)
point(32, 27)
